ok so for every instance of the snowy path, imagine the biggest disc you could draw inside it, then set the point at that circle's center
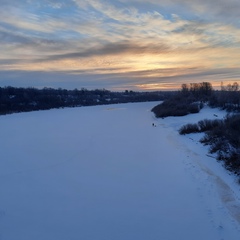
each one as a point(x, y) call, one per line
point(104, 173)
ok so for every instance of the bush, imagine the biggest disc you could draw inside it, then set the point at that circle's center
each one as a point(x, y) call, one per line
point(176, 106)
point(223, 136)
point(189, 128)
point(232, 163)
point(201, 126)
point(224, 139)
point(206, 125)
point(194, 108)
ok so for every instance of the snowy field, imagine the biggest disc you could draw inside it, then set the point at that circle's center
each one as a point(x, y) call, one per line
point(105, 173)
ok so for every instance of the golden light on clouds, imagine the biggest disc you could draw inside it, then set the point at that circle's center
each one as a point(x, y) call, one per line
point(158, 86)
point(157, 47)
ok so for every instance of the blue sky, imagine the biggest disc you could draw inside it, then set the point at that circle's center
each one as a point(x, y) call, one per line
point(120, 44)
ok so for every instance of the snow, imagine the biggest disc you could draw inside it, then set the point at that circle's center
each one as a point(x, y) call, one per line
point(104, 172)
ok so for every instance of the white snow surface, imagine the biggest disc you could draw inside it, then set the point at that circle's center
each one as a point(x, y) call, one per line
point(105, 173)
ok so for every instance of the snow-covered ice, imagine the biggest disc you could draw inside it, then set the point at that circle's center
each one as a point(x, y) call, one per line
point(105, 173)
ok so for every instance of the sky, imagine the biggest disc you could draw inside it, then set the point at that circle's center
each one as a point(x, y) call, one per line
point(119, 44)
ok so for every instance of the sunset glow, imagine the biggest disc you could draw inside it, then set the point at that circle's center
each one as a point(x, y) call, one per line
point(120, 44)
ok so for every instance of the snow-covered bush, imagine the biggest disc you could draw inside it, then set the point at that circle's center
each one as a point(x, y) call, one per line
point(206, 124)
point(189, 128)
point(223, 137)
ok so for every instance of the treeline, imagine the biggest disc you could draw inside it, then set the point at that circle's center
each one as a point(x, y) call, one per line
point(189, 99)
point(223, 137)
point(227, 98)
point(31, 99)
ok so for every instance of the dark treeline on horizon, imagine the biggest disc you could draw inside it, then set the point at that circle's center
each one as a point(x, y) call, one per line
point(14, 99)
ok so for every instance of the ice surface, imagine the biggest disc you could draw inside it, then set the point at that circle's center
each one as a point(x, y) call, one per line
point(105, 173)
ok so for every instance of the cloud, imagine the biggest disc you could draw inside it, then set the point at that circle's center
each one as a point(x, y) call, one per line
point(10, 37)
point(220, 10)
point(120, 48)
point(118, 81)
point(166, 40)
